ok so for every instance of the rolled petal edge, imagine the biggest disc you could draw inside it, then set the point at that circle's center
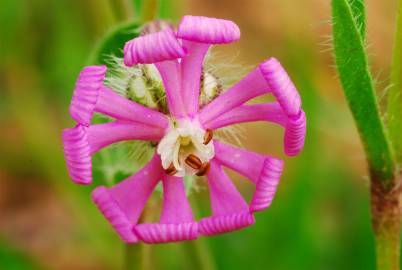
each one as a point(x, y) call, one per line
point(225, 223)
point(86, 93)
point(163, 233)
point(281, 86)
point(208, 30)
point(77, 154)
point(112, 212)
point(267, 184)
point(153, 48)
point(295, 134)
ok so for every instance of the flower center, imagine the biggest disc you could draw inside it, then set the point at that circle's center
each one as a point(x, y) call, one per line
point(186, 148)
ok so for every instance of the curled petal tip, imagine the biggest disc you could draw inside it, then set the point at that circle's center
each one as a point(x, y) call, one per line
point(227, 223)
point(77, 154)
point(163, 233)
point(281, 86)
point(295, 134)
point(113, 213)
point(153, 48)
point(267, 184)
point(86, 93)
point(208, 30)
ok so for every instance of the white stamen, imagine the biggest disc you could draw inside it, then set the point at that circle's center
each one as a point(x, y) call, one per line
point(184, 137)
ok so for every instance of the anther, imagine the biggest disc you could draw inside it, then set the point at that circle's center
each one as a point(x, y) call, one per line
point(208, 136)
point(193, 161)
point(171, 170)
point(204, 169)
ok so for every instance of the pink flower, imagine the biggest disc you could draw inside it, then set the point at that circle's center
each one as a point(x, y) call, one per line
point(186, 144)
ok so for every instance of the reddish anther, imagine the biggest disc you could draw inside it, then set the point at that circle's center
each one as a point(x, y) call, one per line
point(204, 169)
point(208, 136)
point(171, 170)
point(193, 161)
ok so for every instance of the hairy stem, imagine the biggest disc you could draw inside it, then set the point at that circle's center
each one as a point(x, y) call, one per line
point(386, 221)
point(395, 93)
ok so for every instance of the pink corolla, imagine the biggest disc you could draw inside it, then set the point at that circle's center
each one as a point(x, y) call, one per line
point(185, 135)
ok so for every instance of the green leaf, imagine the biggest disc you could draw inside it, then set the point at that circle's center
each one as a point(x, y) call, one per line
point(113, 42)
point(359, 15)
point(394, 110)
point(352, 66)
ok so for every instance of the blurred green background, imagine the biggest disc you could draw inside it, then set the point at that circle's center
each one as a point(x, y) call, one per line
point(320, 216)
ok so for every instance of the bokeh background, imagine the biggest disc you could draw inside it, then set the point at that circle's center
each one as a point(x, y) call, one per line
point(320, 216)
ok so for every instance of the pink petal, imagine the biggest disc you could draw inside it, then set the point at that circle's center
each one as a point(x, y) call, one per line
point(295, 134)
point(268, 77)
point(113, 213)
point(251, 86)
point(176, 208)
point(295, 126)
point(225, 223)
point(123, 204)
point(208, 30)
point(161, 48)
point(102, 135)
point(271, 112)
point(177, 222)
point(153, 48)
point(264, 171)
point(267, 184)
point(164, 233)
point(77, 153)
point(81, 142)
point(225, 199)
point(240, 160)
point(120, 108)
point(281, 86)
point(230, 211)
point(86, 93)
point(90, 95)
point(171, 77)
point(191, 68)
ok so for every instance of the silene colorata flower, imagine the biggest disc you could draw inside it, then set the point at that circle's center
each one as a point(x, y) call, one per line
point(180, 120)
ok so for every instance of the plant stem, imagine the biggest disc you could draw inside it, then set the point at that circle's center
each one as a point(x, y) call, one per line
point(385, 203)
point(386, 221)
point(395, 93)
point(199, 255)
point(138, 257)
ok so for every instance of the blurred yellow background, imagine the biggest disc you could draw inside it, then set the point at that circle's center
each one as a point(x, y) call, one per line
point(320, 216)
